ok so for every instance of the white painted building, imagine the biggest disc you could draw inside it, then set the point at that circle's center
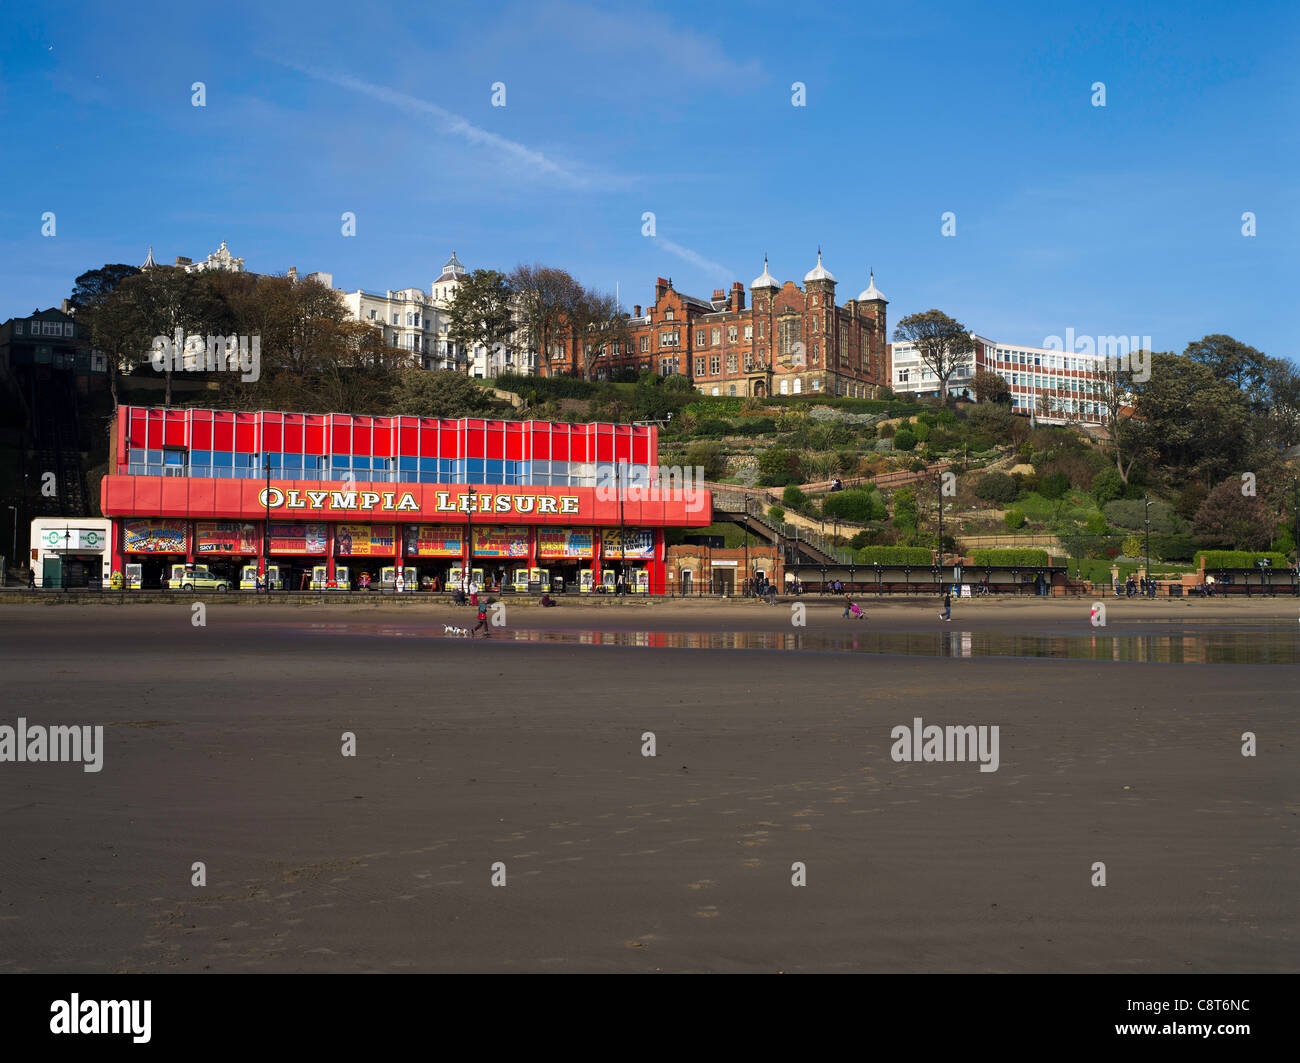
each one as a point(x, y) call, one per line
point(1058, 387)
point(418, 322)
point(70, 551)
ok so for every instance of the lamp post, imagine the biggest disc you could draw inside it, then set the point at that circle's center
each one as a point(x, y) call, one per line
point(940, 485)
point(1295, 487)
point(13, 552)
point(67, 546)
point(465, 582)
point(266, 531)
point(622, 539)
point(1147, 549)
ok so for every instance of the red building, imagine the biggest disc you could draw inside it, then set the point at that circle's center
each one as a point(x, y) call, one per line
point(787, 341)
point(453, 500)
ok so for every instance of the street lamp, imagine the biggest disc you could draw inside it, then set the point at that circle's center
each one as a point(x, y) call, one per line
point(940, 483)
point(1147, 521)
point(266, 532)
point(13, 553)
point(622, 537)
point(67, 546)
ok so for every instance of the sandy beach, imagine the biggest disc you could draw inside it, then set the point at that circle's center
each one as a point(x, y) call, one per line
point(222, 745)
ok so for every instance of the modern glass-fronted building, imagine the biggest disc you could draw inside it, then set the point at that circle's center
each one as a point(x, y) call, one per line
point(438, 500)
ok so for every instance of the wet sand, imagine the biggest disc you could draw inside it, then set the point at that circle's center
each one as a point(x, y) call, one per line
point(223, 746)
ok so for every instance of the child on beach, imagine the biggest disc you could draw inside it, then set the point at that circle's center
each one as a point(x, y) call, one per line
point(947, 606)
point(482, 622)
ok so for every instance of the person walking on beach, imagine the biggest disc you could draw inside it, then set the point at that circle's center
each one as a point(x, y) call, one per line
point(947, 606)
point(482, 622)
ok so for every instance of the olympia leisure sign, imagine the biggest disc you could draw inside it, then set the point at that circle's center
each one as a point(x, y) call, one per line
point(398, 502)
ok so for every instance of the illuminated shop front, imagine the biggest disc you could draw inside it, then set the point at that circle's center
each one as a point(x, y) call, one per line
point(329, 499)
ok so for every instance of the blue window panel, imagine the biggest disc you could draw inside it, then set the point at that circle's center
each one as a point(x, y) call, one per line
point(173, 457)
point(200, 457)
point(493, 478)
point(408, 464)
point(275, 460)
point(361, 463)
point(428, 465)
point(293, 462)
point(222, 459)
point(153, 457)
point(476, 467)
point(339, 461)
point(135, 456)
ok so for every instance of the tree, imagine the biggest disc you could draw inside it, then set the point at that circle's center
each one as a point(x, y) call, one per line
point(1229, 519)
point(96, 284)
point(990, 387)
point(597, 324)
point(543, 294)
point(169, 299)
point(113, 322)
point(1115, 397)
point(439, 393)
point(1192, 421)
point(1232, 362)
point(943, 344)
point(1282, 391)
point(481, 314)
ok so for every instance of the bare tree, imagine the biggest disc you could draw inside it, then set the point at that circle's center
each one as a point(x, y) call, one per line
point(1116, 402)
point(943, 344)
point(543, 297)
point(596, 324)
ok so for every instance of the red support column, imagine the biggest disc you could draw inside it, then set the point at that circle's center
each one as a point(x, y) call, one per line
point(329, 550)
point(597, 556)
point(657, 584)
point(189, 542)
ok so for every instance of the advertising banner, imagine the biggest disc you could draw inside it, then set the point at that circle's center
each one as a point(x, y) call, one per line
point(297, 538)
point(501, 542)
point(434, 540)
point(365, 540)
point(217, 537)
point(154, 536)
point(636, 544)
point(563, 543)
point(87, 539)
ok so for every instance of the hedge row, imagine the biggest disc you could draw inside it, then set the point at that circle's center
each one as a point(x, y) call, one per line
point(896, 555)
point(1217, 560)
point(1010, 558)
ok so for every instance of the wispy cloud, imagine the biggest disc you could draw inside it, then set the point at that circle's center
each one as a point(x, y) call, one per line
point(693, 257)
point(529, 160)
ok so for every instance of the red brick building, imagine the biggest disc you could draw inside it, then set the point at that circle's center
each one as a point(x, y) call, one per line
point(787, 341)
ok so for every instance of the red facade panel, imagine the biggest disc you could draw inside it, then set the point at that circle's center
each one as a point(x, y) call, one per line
point(409, 438)
point(246, 434)
point(383, 438)
point(516, 443)
point(340, 437)
point(362, 435)
point(314, 442)
point(223, 432)
point(293, 434)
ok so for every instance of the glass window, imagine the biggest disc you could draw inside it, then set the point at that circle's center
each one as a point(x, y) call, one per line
point(153, 457)
point(222, 459)
point(293, 462)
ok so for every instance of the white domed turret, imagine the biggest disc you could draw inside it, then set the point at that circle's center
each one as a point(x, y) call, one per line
point(819, 272)
point(766, 280)
point(872, 293)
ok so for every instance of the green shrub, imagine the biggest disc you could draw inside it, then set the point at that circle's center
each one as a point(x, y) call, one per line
point(793, 497)
point(776, 513)
point(1010, 558)
point(915, 556)
point(1173, 547)
point(1217, 560)
point(778, 466)
point(855, 505)
point(1107, 485)
point(921, 430)
point(1097, 524)
point(713, 426)
point(1131, 514)
point(1014, 519)
point(996, 487)
point(1053, 485)
point(904, 439)
point(710, 457)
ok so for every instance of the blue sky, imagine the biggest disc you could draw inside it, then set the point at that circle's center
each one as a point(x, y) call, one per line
point(1117, 220)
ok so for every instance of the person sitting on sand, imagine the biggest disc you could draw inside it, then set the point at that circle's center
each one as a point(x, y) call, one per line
point(548, 601)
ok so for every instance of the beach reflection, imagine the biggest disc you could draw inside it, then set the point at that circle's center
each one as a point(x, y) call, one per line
point(1214, 646)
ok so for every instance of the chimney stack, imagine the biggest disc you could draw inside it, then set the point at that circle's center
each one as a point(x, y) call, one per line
point(737, 297)
point(636, 309)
